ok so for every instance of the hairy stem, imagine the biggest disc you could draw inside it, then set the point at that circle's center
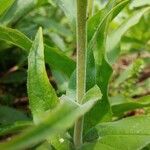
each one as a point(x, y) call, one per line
point(81, 64)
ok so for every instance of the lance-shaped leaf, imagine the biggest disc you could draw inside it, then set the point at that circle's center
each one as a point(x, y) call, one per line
point(52, 123)
point(42, 96)
point(4, 5)
point(102, 107)
point(114, 38)
point(132, 133)
point(14, 128)
point(63, 63)
point(121, 104)
point(94, 21)
point(94, 24)
point(103, 69)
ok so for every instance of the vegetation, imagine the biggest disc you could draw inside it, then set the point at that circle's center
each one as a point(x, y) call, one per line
point(74, 74)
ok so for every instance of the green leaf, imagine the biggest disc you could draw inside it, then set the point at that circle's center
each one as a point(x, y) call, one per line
point(60, 80)
point(132, 133)
point(139, 3)
point(93, 24)
point(10, 115)
point(95, 21)
point(63, 63)
point(57, 40)
point(92, 94)
point(69, 8)
point(19, 9)
point(147, 147)
point(15, 37)
point(114, 38)
point(97, 73)
point(120, 104)
point(14, 128)
point(41, 94)
point(44, 146)
point(4, 5)
point(103, 70)
point(52, 123)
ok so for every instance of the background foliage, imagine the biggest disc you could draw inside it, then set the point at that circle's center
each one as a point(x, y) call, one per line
point(118, 71)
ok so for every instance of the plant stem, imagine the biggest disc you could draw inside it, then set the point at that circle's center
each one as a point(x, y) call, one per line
point(90, 8)
point(81, 64)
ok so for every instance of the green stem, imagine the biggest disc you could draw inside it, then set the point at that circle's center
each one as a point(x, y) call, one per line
point(90, 8)
point(81, 64)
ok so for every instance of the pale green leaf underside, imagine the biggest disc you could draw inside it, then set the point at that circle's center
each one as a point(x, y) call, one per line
point(92, 94)
point(42, 96)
